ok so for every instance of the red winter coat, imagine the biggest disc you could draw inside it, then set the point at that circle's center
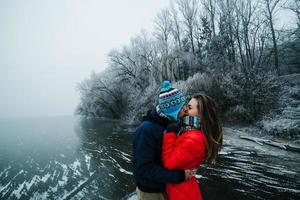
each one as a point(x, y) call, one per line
point(186, 151)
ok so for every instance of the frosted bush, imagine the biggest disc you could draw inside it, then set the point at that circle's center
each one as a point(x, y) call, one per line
point(141, 102)
point(283, 127)
point(237, 113)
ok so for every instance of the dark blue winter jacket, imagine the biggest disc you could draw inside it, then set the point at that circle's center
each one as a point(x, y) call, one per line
point(148, 170)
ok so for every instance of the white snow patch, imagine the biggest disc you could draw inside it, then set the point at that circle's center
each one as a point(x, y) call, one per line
point(78, 185)
point(17, 192)
point(63, 181)
point(76, 167)
point(36, 195)
point(88, 161)
point(125, 171)
point(64, 177)
point(127, 159)
point(98, 151)
point(34, 180)
point(8, 184)
point(111, 175)
point(45, 178)
point(198, 176)
point(6, 170)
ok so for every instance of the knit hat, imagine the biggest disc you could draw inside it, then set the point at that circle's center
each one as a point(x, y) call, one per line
point(170, 101)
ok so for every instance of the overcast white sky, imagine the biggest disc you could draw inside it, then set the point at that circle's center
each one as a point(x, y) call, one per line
point(47, 46)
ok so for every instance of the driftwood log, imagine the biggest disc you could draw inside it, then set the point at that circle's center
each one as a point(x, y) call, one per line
point(271, 143)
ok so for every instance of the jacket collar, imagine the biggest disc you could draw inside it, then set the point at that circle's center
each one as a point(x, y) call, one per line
point(154, 117)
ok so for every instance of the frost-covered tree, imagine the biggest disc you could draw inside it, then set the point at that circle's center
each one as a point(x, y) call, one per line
point(210, 9)
point(270, 12)
point(102, 97)
point(165, 40)
point(189, 9)
point(228, 44)
point(137, 63)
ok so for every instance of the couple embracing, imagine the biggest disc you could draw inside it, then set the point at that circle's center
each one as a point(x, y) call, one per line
point(170, 144)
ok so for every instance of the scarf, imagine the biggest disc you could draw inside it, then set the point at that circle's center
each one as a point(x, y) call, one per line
point(189, 123)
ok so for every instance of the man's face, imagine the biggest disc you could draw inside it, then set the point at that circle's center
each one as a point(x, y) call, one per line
point(183, 111)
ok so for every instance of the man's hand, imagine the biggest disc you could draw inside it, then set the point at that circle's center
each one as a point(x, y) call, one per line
point(174, 127)
point(189, 173)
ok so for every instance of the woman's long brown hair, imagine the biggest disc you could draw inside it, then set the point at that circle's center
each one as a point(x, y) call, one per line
point(210, 125)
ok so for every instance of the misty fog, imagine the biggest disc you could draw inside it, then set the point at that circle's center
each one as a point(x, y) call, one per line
point(47, 47)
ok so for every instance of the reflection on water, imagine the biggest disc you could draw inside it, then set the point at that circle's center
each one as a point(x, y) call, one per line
point(108, 145)
point(64, 158)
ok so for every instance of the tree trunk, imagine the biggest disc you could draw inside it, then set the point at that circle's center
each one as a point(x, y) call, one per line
point(270, 19)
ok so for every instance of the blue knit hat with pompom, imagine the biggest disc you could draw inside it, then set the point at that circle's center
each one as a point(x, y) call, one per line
point(170, 101)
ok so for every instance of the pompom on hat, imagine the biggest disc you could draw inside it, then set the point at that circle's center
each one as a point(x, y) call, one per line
point(170, 101)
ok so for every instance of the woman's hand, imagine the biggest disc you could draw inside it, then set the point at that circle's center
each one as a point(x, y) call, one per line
point(189, 173)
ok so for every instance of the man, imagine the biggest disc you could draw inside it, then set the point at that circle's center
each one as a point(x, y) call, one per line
point(149, 174)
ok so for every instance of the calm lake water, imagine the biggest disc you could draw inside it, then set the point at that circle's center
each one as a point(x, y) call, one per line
point(67, 158)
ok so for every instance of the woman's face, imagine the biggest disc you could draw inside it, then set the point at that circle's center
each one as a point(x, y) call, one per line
point(192, 108)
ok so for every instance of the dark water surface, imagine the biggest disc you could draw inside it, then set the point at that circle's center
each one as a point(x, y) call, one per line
point(66, 158)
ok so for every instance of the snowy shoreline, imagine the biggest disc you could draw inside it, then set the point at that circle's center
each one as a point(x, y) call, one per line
point(255, 135)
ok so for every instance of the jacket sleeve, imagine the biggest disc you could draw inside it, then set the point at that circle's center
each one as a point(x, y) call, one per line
point(178, 155)
point(146, 166)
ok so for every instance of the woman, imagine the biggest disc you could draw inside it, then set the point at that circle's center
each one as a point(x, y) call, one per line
point(199, 139)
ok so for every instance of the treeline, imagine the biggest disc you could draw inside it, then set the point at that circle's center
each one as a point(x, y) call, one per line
point(229, 49)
